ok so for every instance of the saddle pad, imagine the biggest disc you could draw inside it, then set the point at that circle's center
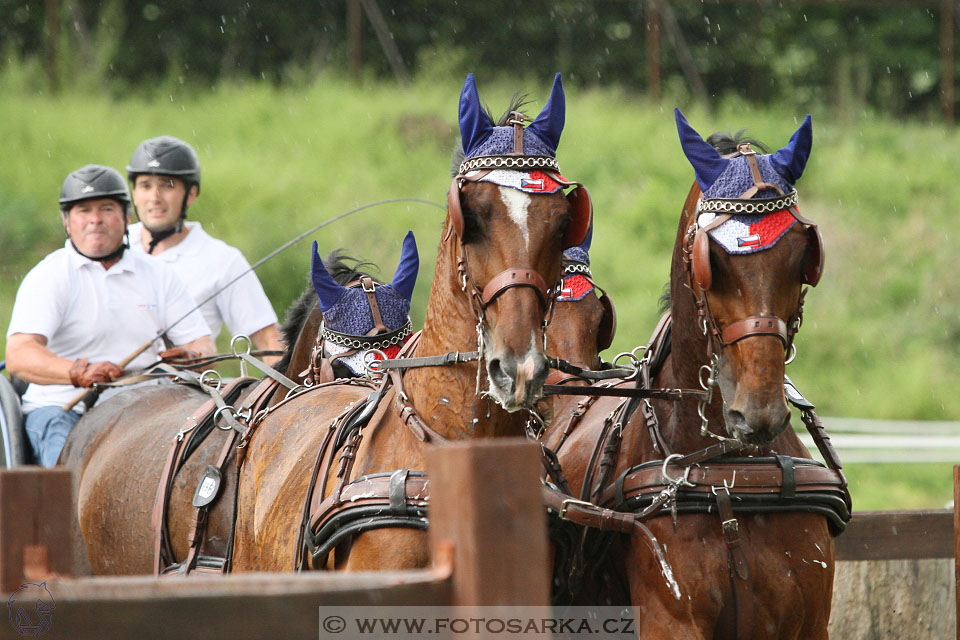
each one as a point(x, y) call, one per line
point(528, 182)
point(750, 233)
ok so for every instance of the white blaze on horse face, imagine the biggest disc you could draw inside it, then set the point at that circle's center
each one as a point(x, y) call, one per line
point(518, 204)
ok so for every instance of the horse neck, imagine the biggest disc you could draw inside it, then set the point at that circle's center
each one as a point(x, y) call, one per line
point(302, 352)
point(446, 397)
point(689, 350)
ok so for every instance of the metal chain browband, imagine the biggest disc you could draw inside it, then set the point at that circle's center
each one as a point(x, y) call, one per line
point(738, 206)
point(373, 342)
point(509, 162)
point(576, 267)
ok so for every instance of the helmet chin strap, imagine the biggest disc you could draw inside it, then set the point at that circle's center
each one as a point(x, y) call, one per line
point(124, 245)
point(156, 237)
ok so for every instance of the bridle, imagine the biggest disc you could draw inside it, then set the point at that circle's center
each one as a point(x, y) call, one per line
point(474, 170)
point(696, 259)
point(608, 323)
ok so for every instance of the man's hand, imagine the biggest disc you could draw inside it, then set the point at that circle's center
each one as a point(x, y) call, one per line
point(83, 374)
point(175, 355)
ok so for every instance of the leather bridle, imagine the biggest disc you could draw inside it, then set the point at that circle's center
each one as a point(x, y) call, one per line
point(696, 250)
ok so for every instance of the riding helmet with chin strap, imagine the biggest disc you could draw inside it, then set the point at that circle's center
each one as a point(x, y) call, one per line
point(94, 181)
point(166, 156)
point(91, 182)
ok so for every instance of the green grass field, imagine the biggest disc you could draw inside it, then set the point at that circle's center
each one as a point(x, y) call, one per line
point(881, 336)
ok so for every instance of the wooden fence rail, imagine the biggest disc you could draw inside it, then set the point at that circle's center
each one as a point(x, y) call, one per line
point(488, 543)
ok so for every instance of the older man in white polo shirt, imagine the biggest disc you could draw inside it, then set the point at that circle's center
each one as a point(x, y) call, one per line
point(89, 305)
point(165, 175)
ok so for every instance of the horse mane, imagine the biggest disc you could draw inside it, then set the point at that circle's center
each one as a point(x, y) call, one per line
point(727, 143)
point(343, 268)
point(517, 103)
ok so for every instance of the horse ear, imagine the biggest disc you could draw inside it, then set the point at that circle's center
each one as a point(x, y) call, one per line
point(406, 276)
point(707, 162)
point(328, 290)
point(475, 126)
point(585, 245)
point(549, 124)
point(790, 161)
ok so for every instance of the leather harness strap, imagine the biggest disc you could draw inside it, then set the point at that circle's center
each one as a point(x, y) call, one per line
point(737, 565)
point(510, 278)
point(759, 325)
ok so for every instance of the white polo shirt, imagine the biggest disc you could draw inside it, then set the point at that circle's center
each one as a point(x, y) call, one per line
point(85, 311)
point(206, 265)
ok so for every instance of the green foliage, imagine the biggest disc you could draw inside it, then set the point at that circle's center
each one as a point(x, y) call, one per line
point(881, 336)
point(853, 56)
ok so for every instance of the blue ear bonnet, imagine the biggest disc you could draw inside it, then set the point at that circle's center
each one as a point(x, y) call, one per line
point(500, 143)
point(479, 137)
point(347, 309)
point(351, 314)
point(736, 179)
point(721, 177)
point(581, 252)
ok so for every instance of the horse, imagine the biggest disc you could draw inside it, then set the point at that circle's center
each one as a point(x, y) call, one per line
point(118, 450)
point(734, 305)
point(499, 258)
point(584, 323)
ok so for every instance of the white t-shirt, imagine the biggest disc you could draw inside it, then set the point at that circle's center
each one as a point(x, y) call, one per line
point(85, 311)
point(206, 264)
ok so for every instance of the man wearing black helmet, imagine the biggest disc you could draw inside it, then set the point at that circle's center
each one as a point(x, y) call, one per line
point(89, 305)
point(165, 174)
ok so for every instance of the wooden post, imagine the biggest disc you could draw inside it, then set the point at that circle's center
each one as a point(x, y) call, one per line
point(34, 525)
point(354, 38)
point(956, 539)
point(51, 34)
point(390, 49)
point(500, 553)
point(653, 49)
point(946, 61)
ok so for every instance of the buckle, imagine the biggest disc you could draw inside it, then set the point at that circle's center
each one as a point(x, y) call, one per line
point(566, 503)
point(745, 149)
point(730, 527)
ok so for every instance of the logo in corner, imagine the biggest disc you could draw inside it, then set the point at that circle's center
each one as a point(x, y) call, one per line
point(31, 609)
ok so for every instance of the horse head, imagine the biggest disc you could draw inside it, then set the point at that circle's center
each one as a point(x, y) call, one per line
point(511, 219)
point(583, 324)
point(362, 314)
point(748, 254)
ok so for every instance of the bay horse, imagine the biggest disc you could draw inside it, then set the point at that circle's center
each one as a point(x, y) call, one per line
point(119, 448)
point(735, 302)
point(500, 253)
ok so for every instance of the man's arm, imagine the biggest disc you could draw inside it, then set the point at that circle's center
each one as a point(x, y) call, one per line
point(28, 358)
point(268, 339)
point(203, 347)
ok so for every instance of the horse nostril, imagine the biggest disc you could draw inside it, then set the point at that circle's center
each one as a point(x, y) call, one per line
point(737, 423)
point(498, 375)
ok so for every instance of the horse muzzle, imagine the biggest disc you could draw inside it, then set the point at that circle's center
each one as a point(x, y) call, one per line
point(516, 382)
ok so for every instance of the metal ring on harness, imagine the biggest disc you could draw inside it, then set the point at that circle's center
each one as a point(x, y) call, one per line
point(373, 369)
point(233, 344)
point(214, 373)
point(793, 354)
point(216, 414)
point(681, 481)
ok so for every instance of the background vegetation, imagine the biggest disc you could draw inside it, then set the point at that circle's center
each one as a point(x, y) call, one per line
point(303, 143)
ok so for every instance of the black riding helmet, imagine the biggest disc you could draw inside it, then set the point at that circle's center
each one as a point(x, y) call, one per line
point(166, 156)
point(94, 181)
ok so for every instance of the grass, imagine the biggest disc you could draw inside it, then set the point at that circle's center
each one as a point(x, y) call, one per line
point(881, 337)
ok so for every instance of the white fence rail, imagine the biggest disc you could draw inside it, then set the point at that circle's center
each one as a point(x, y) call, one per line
point(861, 440)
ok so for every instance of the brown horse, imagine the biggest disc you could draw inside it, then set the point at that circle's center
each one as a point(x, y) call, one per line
point(787, 557)
point(501, 246)
point(118, 451)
